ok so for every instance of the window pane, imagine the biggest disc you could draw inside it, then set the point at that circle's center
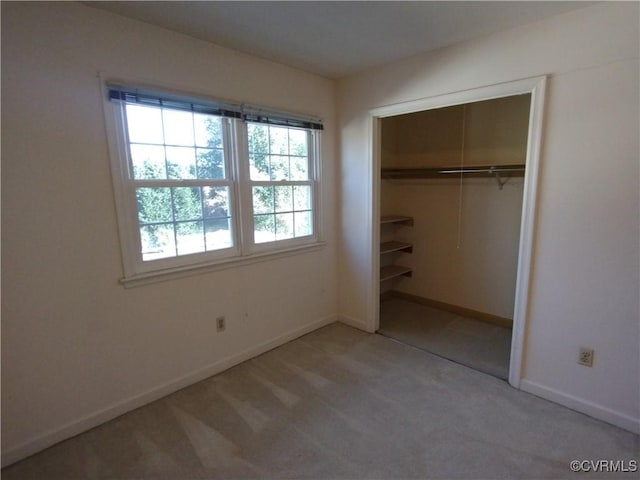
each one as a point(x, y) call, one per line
point(208, 130)
point(187, 204)
point(148, 162)
point(298, 142)
point(157, 241)
point(259, 167)
point(181, 162)
point(154, 205)
point(302, 197)
point(284, 226)
point(215, 202)
point(258, 138)
point(190, 237)
point(279, 140)
point(263, 199)
point(210, 163)
point(284, 199)
point(299, 168)
point(264, 229)
point(178, 127)
point(303, 223)
point(218, 233)
point(279, 168)
point(145, 124)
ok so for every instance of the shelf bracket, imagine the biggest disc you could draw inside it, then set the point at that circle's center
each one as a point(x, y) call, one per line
point(499, 179)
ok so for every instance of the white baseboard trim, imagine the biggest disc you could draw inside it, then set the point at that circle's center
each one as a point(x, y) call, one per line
point(55, 435)
point(583, 406)
point(352, 322)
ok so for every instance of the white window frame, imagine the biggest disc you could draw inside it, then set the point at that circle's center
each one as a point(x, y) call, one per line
point(244, 249)
point(246, 184)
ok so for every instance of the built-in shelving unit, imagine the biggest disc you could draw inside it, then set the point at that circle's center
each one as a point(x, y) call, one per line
point(389, 272)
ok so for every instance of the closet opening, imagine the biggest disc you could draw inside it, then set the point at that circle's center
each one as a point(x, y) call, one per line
point(454, 192)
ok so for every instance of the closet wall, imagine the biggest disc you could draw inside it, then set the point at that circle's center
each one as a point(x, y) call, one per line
point(466, 231)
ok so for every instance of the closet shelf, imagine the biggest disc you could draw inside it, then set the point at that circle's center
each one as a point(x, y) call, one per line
point(394, 246)
point(393, 271)
point(497, 171)
point(389, 272)
point(397, 219)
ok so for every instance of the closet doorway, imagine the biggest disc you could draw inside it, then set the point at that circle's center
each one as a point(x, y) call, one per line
point(454, 190)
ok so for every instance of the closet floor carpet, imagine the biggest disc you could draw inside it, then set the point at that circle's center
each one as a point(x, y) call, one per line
point(479, 345)
point(338, 403)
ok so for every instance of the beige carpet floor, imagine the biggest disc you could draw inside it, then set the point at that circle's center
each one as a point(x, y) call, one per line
point(339, 404)
point(464, 340)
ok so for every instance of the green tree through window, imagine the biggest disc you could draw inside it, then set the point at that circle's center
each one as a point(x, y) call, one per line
point(182, 218)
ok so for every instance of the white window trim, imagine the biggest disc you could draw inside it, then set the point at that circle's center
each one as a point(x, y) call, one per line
point(245, 251)
point(250, 246)
point(141, 279)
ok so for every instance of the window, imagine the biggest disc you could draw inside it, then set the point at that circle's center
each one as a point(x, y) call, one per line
point(281, 186)
point(201, 182)
point(181, 182)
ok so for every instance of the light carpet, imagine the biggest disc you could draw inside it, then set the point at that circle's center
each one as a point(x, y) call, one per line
point(338, 404)
point(476, 344)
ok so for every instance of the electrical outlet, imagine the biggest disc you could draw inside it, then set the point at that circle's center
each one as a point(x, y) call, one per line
point(221, 324)
point(586, 356)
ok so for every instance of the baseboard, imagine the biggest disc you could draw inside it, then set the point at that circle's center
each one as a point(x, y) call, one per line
point(588, 408)
point(353, 322)
point(463, 311)
point(53, 436)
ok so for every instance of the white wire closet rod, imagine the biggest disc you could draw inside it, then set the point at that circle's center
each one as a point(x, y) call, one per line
point(497, 171)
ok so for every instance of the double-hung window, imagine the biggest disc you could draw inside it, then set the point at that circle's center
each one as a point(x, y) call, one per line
point(281, 179)
point(199, 182)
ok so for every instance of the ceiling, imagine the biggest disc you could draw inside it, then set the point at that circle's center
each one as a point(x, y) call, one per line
point(335, 39)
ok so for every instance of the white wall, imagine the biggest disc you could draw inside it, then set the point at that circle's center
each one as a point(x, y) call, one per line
point(495, 133)
point(78, 348)
point(585, 283)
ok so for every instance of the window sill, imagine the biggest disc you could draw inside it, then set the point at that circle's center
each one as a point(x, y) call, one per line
point(190, 270)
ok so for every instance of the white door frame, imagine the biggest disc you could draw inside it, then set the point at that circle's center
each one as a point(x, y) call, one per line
point(536, 87)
